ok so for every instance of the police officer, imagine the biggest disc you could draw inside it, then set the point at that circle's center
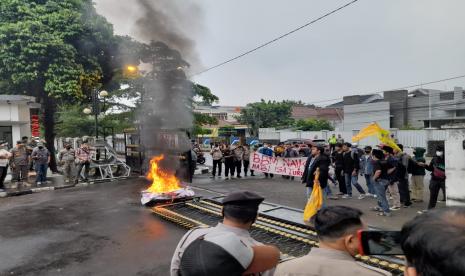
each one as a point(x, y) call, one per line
point(240, 210)
point(67, 158)
point(336, 227)
point(19, 163)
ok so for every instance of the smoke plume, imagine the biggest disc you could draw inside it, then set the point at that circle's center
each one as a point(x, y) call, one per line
point(171, 22)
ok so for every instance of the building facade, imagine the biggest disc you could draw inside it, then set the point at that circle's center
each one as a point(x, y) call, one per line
point(420, 108)
point(15, 117)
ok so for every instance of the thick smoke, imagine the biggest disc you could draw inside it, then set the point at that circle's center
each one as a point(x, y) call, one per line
point(166, 112)
point(169, 27)
point(171, 22)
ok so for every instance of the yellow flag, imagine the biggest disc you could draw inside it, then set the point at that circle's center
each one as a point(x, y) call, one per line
point(315, 201)
point(383, 135)
point(370, 130)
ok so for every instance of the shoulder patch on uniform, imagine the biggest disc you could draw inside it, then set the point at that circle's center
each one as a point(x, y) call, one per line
point(379, 270)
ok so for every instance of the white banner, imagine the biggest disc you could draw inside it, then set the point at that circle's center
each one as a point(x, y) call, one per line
point(277, 165)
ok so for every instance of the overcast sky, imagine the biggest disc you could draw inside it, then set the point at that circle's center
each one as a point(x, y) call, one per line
point(373, 45)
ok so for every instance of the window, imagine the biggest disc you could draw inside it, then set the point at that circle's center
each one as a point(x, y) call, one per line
point(460, 113)
point(446, 96)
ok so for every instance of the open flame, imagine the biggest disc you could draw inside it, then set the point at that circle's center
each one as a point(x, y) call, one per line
point(162, 181)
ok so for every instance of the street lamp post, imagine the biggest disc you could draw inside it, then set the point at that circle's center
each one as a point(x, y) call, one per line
point(96, 107)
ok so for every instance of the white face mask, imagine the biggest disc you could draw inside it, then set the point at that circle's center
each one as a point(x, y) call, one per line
point(439, 153)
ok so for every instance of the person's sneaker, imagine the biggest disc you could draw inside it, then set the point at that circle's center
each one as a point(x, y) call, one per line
point(375, 196)
point(394, 208)
point(422, 212)
point(441, 200)
point(67, 181)
point(376, 209)
point(226, 178)
point(362, 196)
point(370, 194)
point(384, 214)
point(39, 183)
point(346, 196)
point(212, 176)
point(239, 176)
point(340, 193)
point(407, 206)
point(219, 176)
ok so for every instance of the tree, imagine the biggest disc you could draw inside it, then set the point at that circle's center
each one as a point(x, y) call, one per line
point(266, 114)
point(54, 50)
point(313, 125)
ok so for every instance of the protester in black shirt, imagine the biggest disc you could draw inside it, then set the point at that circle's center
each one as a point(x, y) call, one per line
point(318, 160)
point(338, 163)
point(437, 167)
point(351, 168)
point(381, 182)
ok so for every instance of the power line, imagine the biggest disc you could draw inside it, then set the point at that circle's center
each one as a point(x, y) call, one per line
point(399, 88)
point(275, 39)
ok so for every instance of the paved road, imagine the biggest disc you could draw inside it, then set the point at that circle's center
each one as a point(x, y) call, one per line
point(98, 230)
point(103, 230)
point(292, 193)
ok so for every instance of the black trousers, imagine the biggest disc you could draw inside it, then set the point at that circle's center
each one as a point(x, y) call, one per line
point(3, 171)
point(341, 180)
point(434, 187)
point(246, 166)
point(238, 167)
point(219, 164)
point(404, 192)
point(228, 167)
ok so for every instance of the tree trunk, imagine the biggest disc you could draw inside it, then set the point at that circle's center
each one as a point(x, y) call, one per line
point(49, 108)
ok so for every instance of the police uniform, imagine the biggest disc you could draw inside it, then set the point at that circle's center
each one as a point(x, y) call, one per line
point(236, 198)
point(19, 164)
point(327, 262)
point(67, 159)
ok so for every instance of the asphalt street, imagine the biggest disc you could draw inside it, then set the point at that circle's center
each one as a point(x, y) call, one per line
point(103, 230)
point(95, 230)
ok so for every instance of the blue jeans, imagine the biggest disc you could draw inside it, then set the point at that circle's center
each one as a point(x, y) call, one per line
point(369, 180)
point(380, 188)
point(352, 180)
point(41, 170)
point(325, 194)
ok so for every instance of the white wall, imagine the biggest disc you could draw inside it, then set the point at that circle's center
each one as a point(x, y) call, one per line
point(358, 116)
point(455, 168)
point(16, 133)
point(8, 112)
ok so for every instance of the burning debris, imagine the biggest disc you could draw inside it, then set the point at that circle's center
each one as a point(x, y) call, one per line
point(165, 185)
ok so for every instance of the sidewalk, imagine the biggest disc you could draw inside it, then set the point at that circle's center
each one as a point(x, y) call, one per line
point(54, 182)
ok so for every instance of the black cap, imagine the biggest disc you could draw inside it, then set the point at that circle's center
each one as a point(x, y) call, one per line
point(439, 148)
point(243, 198)
point(19, 142)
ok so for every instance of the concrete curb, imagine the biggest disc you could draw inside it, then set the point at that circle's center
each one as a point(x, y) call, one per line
point(52, 188)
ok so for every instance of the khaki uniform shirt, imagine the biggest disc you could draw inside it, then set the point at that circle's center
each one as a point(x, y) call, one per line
point(67, 155)
point(327, 262)
point(20, 156)
point(195, 233)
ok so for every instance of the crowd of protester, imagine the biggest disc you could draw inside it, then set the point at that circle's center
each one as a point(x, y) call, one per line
point(393, 177)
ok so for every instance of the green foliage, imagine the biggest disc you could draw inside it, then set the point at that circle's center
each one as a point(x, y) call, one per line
point(204, 119)
point(204, 95)
point(266, 114)
point(56, 47)
point(71, 122)
point(313, 125)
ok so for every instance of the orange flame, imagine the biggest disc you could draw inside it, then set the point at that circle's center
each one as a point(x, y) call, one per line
point(162, 181)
